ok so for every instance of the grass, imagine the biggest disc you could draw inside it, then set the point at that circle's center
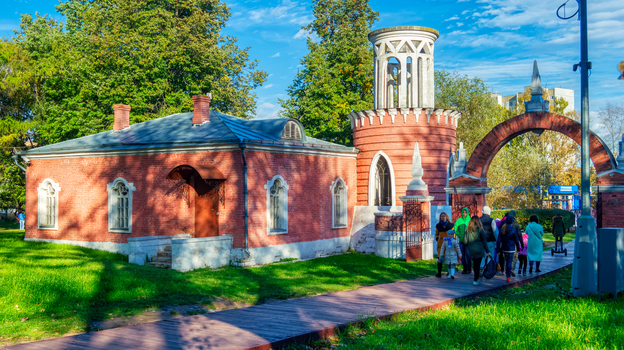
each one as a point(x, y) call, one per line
point(541, 315)
point(51, 289)
point(569, 237)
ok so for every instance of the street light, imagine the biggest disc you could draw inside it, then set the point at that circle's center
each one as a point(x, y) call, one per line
point(585, 268)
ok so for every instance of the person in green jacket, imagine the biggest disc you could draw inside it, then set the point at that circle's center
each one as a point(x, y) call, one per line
point(460, 228)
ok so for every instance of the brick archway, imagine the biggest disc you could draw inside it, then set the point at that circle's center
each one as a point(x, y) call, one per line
point(504, 132)
point(473, 181)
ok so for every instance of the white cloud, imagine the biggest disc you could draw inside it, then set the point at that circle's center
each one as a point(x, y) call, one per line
point(286, 13)
point(268, 86)
point(301, 34)
point(452, 18)
point(276, 55)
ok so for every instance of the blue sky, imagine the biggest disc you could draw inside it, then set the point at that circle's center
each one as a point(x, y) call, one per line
point(493, 39)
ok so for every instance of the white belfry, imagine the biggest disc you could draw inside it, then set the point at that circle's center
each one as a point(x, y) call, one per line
point(403, 66)
point(417, 183)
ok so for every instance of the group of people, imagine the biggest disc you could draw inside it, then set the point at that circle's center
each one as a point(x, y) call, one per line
point(471, 239)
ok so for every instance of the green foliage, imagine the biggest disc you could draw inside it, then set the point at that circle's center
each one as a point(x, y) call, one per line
point(470, 96)
point(49, 281)
point(544, 215)
point(152, 55)
point(337, 74)
point(541, 315)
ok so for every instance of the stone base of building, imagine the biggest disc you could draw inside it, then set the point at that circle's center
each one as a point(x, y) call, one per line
point(142, 249)
point(121, 248)
point(363, 227)
point(195, 253)
point(301, 251)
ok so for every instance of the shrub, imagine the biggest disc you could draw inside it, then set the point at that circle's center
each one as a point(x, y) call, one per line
point(544, 215)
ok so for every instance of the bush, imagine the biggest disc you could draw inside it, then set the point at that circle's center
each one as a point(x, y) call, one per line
point(544, 215)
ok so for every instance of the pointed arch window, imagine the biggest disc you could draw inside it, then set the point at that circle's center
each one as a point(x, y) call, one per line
point(47, 206)
point(120, 205)
point(383, 193)
point(339, 203)
point(277, 206)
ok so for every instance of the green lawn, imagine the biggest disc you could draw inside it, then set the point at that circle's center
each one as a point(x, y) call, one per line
point(61, 288)
point(569, 237)
point(541, 315)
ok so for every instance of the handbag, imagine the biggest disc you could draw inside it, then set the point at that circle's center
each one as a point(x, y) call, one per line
point(489, 271)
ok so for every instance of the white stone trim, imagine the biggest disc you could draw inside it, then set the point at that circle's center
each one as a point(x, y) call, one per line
point(300, 250)
point(257, 146)
point(41, 211)
point(121, 248)
point(371, 179)
point(380, 114)
point(284, 206)
point(111, 204)
point(463, 190)
point(344, 203)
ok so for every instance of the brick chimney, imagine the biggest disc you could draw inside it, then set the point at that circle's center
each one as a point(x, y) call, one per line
point(201, 108)
point(122, 117)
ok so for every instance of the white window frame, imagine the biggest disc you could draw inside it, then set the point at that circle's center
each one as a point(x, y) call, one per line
point(283, 206)
point(371, 179)
point(41, 204)
point(112, 203)
point(343, 203)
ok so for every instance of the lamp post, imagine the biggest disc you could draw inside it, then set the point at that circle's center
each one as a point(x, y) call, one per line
point(585, 268)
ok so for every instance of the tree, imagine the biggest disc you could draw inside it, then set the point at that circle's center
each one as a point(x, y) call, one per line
point(337, 74)
point(612, 119)
point(470, 96)
point(152, 55)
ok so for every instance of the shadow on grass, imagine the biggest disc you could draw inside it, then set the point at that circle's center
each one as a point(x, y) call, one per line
point(63, 288)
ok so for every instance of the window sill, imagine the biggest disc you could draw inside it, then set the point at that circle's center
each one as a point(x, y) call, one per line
point(48, 228)
point(113, 230)
point(281, 232)
point(338, 227)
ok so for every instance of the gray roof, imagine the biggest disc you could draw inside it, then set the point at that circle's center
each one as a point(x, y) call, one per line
point(178, 130)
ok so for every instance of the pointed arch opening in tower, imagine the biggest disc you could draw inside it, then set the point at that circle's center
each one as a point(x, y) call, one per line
point(383, 183)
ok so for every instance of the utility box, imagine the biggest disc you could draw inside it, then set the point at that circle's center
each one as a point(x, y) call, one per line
point(610, 260)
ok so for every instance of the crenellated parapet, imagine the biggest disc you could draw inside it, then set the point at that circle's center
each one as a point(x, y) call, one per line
point(430, 116)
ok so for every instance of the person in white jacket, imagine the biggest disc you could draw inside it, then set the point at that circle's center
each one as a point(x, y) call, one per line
point(450, 252)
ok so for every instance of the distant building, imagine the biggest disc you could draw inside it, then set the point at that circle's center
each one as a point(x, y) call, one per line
point(511, 101)
point(561, 197)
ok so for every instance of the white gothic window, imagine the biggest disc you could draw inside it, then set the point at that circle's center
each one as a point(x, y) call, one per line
point(48, 194)
point(339, 203)
point(120, 205)
point(277, 205)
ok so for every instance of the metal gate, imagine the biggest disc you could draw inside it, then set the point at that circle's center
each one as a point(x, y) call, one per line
point(415, 224)
point(464, 201)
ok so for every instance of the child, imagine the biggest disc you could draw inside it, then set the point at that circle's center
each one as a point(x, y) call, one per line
point(450, 252)
point(522, 255)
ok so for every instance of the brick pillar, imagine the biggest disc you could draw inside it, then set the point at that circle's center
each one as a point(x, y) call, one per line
point(473, 198)
point(611, 204)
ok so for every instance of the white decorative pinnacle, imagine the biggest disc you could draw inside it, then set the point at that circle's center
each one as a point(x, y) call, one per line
point(447, 113)
point(404, 113)
point(362, 116)
point(417, 183)
point(459, 165)
point(537, 103)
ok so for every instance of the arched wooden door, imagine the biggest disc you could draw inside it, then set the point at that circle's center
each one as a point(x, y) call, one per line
point(207, 184)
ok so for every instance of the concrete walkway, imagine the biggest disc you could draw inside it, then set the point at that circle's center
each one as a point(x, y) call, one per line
point(270, 325)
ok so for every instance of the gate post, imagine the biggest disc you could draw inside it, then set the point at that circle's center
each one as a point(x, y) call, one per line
point(416, 211)
point(611, 203)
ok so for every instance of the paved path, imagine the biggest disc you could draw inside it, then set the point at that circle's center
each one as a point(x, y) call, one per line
point(269, 325)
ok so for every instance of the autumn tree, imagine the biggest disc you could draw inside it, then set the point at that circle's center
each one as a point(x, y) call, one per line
point(337, 74)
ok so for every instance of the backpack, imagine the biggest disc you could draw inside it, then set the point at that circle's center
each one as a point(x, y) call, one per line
point(489, 271)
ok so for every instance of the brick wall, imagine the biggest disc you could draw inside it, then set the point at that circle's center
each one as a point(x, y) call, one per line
point(83, 199)
point(435, 140)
